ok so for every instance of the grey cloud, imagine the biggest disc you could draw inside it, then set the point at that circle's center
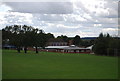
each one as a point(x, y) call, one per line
point(119, 9)
point(41, 7)
point(60, 29)
point(48, 17)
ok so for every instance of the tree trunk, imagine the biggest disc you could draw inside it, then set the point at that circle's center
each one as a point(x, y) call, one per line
point(18, 49)
point(25, 49)
point(36, 49)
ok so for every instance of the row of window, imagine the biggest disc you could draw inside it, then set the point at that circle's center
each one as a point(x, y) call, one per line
point(57, 44)
point(77, 51)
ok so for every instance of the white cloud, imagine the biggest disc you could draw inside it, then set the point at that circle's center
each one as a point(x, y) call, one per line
point(109, 29)
point(82, 17)
point(4, 8)
point(63, 26)
point(10, 18)
point(41, 7)
point(114, 31)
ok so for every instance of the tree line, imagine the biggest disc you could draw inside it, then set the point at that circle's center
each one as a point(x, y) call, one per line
point(107, 45)
point(25, 36)
point(28, 36)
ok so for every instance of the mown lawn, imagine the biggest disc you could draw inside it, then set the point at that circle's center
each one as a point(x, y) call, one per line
point(57, 66)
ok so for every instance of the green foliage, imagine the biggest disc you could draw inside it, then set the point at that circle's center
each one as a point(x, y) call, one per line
point(87, 43)
point(76, 40)
point(49, 36)
point(23, 36)
point(65, 38)
point(107, 45)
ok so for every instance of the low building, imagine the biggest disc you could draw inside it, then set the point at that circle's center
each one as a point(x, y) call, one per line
point(54, 48)
point(68, 49)
point(8, 46)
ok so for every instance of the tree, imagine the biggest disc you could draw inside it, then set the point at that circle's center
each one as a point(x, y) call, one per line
point(106, 45)
point(86, 43)
point(64, 38)
point(39, 39)
point(25, 36)
point(11, 33)
point(49, 36)
point(114, 47)
point(5, 37)
point(77, 40)
point(18, 35)
point(101, 45)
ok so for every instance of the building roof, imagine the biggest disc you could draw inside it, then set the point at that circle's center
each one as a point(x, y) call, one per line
point(74, 48)
point(65, 47)
point(55, 47)
point(88, 38)
point(90, 47)
point(9, 46)
point(55, 40)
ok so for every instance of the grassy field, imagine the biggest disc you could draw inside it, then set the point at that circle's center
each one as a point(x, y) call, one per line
point(57, 66)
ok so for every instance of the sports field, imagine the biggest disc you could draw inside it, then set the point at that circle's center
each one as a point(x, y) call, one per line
point(48, 65)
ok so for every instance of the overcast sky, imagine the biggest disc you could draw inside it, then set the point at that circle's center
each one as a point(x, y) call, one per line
point(86, 18)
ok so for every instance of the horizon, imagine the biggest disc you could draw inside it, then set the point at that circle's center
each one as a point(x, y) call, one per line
point(72, 36)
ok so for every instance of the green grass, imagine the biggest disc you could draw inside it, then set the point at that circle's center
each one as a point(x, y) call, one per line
point(57, 66)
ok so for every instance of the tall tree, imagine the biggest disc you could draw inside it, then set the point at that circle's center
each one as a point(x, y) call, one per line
point(18, 35)
point(65, 38)
point(107, 45)
point(100, 47)
point(38, 38)
point(49, 36)
point(77, 40)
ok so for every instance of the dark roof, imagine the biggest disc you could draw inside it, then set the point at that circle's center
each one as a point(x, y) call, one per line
point(89, 38)
point(56, 40)
point(9, 46)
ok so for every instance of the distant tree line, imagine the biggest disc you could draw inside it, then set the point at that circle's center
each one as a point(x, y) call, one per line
point(28, 36)
point(77, 41)
point(107, 45)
